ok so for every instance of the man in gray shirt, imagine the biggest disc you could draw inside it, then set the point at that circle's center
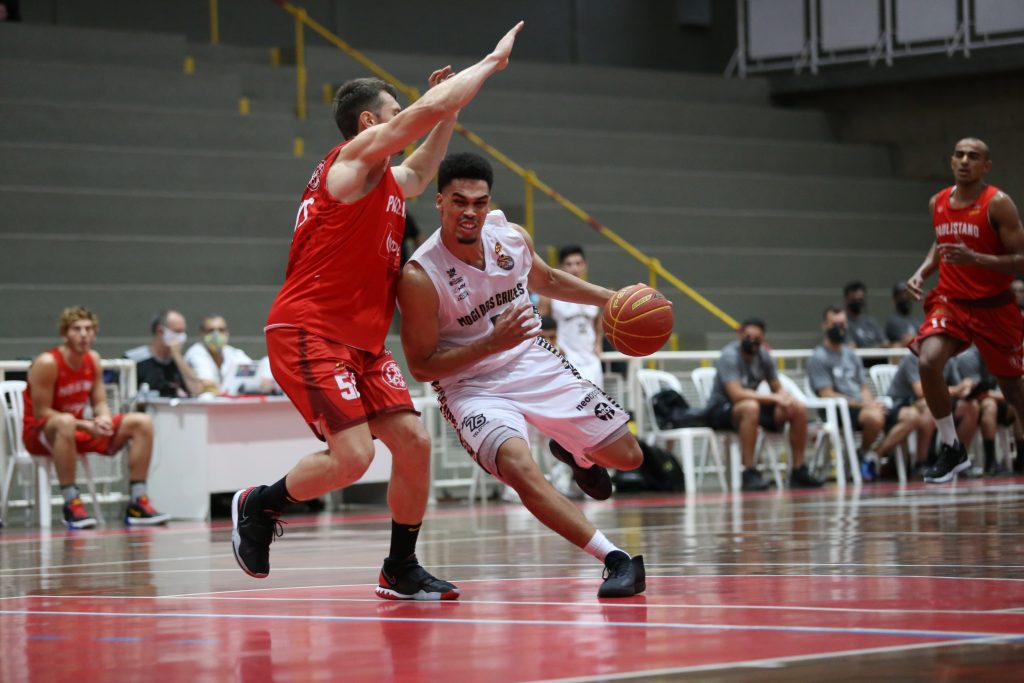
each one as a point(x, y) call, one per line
point(993, 408)
point(902, 325)
point(864, 331)
point(736, 404)
point(906, 394)
point(835, 371)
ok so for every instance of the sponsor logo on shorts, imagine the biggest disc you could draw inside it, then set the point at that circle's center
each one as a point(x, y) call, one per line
point(474, 423)
point(604, 411)
point(594, 393)
point(393, 375)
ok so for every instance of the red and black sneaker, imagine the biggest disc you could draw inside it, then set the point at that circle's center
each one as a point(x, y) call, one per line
point(252, 532)
point(75, 515)
point(141, 512)
point(410, 581)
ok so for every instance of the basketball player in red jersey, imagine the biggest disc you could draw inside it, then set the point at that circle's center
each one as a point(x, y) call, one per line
point(61, 383)
point(326, 329)
point(979, 240)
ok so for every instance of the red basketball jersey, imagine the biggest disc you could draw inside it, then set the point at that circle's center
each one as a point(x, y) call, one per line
point(971, 226)
point(71, 392)
point(344, 263)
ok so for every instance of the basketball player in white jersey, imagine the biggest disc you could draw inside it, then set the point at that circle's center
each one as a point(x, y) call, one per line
point(579, 325)
point(469, 327)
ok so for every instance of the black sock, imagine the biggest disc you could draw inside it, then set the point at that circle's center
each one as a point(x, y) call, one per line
point(989, 446)
point(403, 540)
point(274, 497)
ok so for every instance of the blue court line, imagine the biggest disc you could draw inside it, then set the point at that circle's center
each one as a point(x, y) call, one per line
point(46, 637)
point(943, 635)
point(122, 639)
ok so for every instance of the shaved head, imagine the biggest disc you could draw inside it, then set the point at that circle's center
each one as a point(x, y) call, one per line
point(977, 143)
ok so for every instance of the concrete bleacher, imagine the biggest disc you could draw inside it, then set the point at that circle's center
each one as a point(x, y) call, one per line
point(129, 185)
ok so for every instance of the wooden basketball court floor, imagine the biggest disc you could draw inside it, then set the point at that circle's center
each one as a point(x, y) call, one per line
point(877, 583)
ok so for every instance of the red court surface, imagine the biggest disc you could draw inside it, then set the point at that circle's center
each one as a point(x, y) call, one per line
point(881, 583)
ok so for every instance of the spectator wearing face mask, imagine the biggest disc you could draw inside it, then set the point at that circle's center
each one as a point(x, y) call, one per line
point(835, 371)
point(213, 358)
point(160, 365)
point(736, 404)
point(903, 324)
point(864, 331)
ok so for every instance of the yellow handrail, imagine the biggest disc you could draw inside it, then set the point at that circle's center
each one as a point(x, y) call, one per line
point(530, 178)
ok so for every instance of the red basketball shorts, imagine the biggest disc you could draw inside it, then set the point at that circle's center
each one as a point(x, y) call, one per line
point(334, 383)
point(998, 331)
point(36, 443)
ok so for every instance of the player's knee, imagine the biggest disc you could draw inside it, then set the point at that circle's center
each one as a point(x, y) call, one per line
point(348, 467)
point(517, 466)
point(746, 409)
point(139, 424)
point(63, 425)
point(632, 457)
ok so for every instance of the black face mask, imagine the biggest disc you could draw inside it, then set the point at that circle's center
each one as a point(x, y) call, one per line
point(855, 306)
point(836, 334)
point(903, 307)
point(750, 346)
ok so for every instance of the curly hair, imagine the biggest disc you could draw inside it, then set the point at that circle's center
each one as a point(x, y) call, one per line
point(73, 314)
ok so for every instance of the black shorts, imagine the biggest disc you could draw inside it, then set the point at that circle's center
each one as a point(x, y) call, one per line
point(893, 416)
point(720, 417)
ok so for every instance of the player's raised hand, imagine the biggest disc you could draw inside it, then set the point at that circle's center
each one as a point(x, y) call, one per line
point(441, 75)
point(503, 49)
point(514, 326)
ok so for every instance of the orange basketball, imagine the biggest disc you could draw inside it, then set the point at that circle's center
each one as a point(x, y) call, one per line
point(638, 320)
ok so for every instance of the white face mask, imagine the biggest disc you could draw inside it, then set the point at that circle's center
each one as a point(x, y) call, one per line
point(171, 337)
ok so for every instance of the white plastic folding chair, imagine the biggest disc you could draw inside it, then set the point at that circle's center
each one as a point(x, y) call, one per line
point(685, 438)
point(12, 406)
point(767, 445)
point(841, 409)
point(881, 377)
point(828, 436)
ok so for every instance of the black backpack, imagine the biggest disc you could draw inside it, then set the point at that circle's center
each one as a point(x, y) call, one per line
point(671, 411)
point(660, 471)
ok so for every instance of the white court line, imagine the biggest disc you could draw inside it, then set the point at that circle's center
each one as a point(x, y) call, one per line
point(542, 603)
point(712, 565)
point(773, 662)
point(681, 626)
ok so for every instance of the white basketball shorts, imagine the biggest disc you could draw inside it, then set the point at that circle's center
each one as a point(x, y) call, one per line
point(539, 388)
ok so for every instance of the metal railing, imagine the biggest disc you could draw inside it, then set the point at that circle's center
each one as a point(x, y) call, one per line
point(809, 34)
point(530, 180)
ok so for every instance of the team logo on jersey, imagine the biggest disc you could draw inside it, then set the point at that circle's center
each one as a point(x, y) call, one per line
point(393, 375)
point(604, 411)
point(474, 423)
point(314, 181)
point(390, 248)
point(505, 262)
point(457, 283)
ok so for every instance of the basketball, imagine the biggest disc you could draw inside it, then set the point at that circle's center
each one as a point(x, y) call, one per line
point(638, 320)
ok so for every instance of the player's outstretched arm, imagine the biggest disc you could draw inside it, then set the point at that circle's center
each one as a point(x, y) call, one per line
point(558, 284)
point(376, 143)
point(419, 304)
point(416, 172)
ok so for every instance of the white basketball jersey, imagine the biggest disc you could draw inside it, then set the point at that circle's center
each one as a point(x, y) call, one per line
point(576, 331)
point(469, 298)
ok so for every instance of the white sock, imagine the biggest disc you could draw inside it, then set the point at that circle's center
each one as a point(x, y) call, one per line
point(137, 490)
point(599, 546)
point(947, 430)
